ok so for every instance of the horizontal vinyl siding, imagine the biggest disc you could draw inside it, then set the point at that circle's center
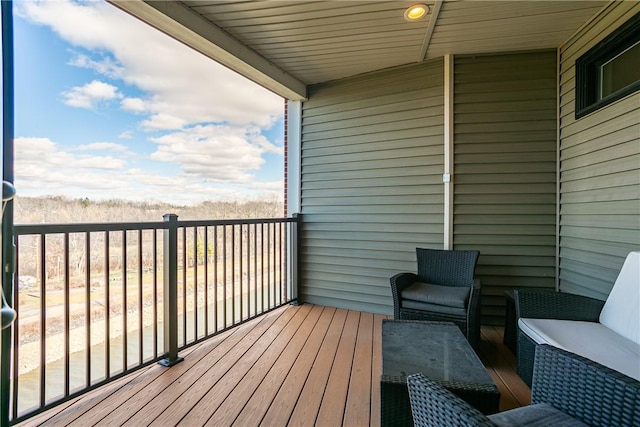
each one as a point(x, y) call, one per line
point(599, 173)
point(372, 162)
point(505, 171)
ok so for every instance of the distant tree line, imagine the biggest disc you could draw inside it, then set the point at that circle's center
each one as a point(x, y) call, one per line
point(57, 210)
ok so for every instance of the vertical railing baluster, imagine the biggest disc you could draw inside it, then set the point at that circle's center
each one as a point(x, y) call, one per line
point(140, 302)
point(233, 274)
point(278, 254)
point(43, 322)
point(107, 304)
point(262, 266)
point(67, 315)
point(170, 294)
point(184, 285)
point(255, 268)
point(87, 300)
point(224, 275)
point(215, 278)
point(125, 326)
point(206, 281)
point(240, 234)
point(155, 293)
point(16, 337)
point(283, 231)
point(195, 283)
point(268, 266)
point(248, 270)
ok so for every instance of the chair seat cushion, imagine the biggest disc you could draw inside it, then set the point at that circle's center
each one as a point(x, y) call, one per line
point(450, 296)
point(587, 339)
point(433, 308)
point(540, 415)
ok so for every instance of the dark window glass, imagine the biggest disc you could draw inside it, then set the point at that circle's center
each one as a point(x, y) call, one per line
point(610, 70)
point(620, 72)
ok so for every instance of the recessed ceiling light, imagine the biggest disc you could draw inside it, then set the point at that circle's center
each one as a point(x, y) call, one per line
point(415, 12)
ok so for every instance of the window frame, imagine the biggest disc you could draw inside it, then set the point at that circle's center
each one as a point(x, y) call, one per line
point(588, 65)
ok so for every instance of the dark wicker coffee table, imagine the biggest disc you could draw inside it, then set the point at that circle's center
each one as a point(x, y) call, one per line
point(440, 351)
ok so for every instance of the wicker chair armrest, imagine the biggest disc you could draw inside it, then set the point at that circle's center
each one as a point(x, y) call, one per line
point(556, 305)
point(434, 406)
point(584, 389)
point(474, 296)
point(401, 280)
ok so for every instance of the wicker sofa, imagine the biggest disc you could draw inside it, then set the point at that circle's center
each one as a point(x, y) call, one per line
point(606, 332)
point(568, 390)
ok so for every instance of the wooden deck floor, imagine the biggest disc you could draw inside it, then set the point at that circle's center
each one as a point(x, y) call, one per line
point(296, 366)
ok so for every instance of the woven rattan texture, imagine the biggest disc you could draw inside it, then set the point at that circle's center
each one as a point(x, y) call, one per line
point(532, 304)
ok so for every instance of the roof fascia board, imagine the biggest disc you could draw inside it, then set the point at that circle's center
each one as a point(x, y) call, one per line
point(179, 22)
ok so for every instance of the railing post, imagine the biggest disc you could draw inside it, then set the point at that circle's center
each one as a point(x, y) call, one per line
point(294, 260)
point(170, 294)
point(7, 249)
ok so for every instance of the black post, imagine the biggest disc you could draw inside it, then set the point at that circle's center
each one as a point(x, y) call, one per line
point(170, 294)
point(294, 259)
point(7, 221)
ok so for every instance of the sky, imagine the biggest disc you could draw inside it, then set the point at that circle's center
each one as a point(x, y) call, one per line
point(106, 107)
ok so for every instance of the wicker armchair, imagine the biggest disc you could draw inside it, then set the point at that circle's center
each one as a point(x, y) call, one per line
point(567, 390)
point(444, 289)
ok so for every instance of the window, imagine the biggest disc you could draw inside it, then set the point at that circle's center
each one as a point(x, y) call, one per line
point(610, 70)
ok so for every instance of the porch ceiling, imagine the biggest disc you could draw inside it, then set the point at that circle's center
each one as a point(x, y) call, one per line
point(287, 45)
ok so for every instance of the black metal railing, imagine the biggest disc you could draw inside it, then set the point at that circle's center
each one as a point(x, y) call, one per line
point(97, 301)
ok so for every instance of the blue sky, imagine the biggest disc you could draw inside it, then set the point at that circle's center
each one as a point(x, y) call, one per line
point(107, 107)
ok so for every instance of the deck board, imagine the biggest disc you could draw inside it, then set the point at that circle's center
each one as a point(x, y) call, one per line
point(299, 366)
point(210, 391)
point(295, 363)
point(310, 398)
point(359, 395)
point(335, 394)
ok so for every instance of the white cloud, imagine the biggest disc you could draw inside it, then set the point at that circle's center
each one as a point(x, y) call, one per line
point(126, 135)
point(48, 169)
point(90, 95)
point(164, 122)
point(134, 105)
point(105, 66)
point(214, 152)
point(158, 65)
point(102, 146)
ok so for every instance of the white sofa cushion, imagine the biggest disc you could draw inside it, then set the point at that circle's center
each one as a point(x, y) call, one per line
point(588, 339)
point(621, 311)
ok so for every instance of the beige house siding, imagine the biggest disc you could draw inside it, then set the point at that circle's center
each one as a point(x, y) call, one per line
point(505, 171)
point(599, 172)
point(371, 183)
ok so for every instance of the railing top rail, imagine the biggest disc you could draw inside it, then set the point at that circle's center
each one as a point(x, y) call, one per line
point(204, 223)
point(27, 229)
point(24, 229)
